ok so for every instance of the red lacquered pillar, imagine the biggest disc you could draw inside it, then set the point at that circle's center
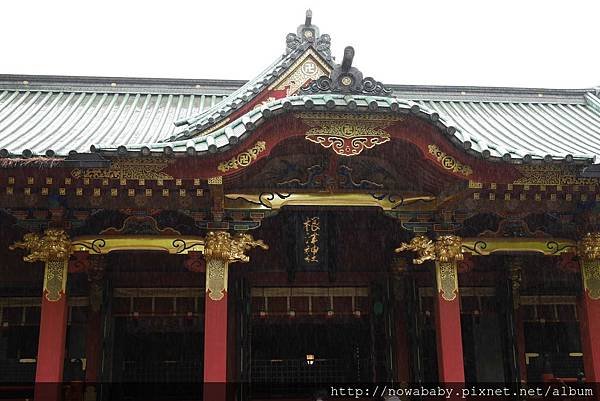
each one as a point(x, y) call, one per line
point(446, 251)
point(53, 330)
point(589, 305)
point(215, 332)
point(54, 249)
point(220, 249)
point(448, 328)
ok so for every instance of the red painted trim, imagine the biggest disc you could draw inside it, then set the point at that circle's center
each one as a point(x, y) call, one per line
point(215, 348)
point(409, 129)
point(449, 340)
point(589, 323)
point(51, 349)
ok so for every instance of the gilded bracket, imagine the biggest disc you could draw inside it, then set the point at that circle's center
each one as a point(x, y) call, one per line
point(221, 249)
point(54, 249)
point(446, 251)
point(589, 253)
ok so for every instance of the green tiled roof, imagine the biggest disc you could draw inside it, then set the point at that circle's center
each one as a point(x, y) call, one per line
point(58, 115)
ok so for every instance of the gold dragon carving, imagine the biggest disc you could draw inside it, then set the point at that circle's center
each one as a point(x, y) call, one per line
point(589, 253)
point(221, 249)
point(446, 251)
point(54, 249)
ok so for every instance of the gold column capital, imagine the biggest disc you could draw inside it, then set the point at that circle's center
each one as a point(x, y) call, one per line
point(588, 247)
point(447, 248)
point(220, 249)
point(53, 245)
point(54, 249)
point(222, 245)
point(446, 251)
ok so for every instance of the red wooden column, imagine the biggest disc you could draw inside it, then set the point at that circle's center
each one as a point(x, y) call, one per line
point(446, 251)
point(448, 329)
point(51, 348)
point(54, 249)
point(220, 249)
point(589, 305)
point(215, 341)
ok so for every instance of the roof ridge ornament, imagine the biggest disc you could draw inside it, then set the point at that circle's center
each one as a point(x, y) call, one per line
point(308, 34)
point(346, 79)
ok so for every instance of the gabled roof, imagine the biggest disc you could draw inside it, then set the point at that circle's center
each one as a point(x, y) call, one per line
point(43, 115)
point(307, 37)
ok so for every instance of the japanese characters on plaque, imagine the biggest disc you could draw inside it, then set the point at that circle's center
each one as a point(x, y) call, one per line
point(311, 241)
point(312, 228)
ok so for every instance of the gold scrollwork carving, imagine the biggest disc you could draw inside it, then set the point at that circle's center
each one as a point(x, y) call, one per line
point(216, 278)
point(347, 134)
point(446, 251)
point(220, 249)
point(589, 252)
point(148, 168)
point(422, 245)
point(53, 248)
point(551, 174)
point(447, 248)
point(244, 159)
point(53, 245)
point(447, 280)
point(450, 163)
point(55, 279)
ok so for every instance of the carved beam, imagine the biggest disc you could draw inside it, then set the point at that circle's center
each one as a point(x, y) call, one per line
point(385, 201)
point(545, 246)
point(177, 245)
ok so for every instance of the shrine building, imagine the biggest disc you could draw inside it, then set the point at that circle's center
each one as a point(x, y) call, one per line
point(310, 226)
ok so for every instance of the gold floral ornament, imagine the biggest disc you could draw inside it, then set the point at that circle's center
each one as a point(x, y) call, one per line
point(449, 163)
point(446, 251)
point(589, 252)
point(347, 134)
point(221, 249)
point(243, 159)
point(54, 248)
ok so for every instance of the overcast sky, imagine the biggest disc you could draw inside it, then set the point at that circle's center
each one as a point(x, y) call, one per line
point(492, 43)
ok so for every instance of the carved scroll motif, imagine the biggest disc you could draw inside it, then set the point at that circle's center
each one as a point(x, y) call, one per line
point(347, 134)
point(55, 279)
point(149, 168)
point(244, 159)
point(447, 279)
point(450, 163)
